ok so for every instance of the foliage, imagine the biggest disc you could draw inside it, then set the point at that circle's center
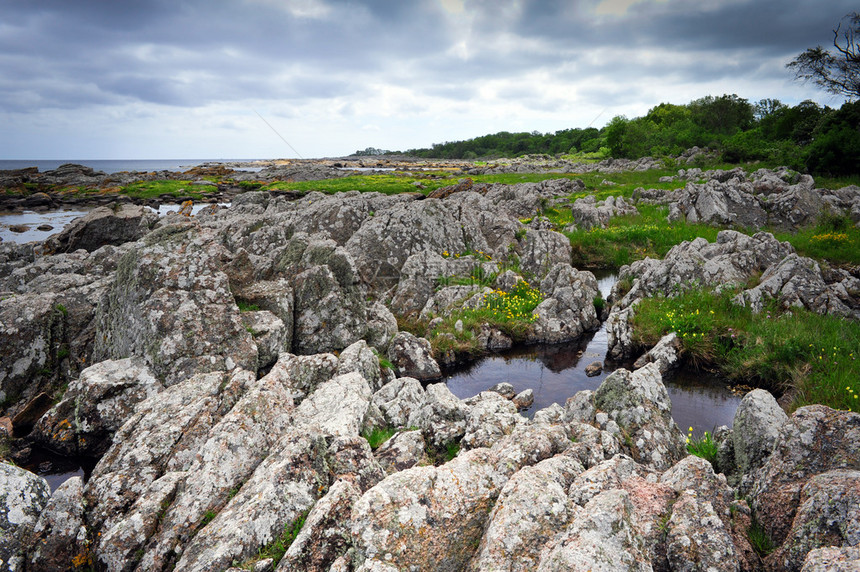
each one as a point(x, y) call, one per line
point(835, 150)
point(834, 239)
point(278, 547)
point(837, 72)
point(813, 357)
point(804, 137)
point(704, 446)
point(759, 539)
point(378, 435)
point(245, 306)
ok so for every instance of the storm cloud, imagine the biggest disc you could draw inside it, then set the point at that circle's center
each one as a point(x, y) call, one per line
point(186, 78)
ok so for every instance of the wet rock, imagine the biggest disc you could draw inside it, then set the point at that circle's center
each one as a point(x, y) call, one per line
point(815, 440)
point(524, 399)
point(115, 224)
point(19, 228)
point(412, 357)
point(619, 333)
point(95, 406)
point(594, 369)
point(504, 389)
point(665, 354)
point(23, 497)
point(639, 403)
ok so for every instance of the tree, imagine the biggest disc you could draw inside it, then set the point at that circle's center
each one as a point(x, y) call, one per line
point(837, 72)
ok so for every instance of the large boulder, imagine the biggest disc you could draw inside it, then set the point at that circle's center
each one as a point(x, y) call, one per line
point(602, 537)
point(815, 440)
point(434, 517)
point(828, 515)
point(59, 538)
point(532, 507)
point(115, 224)
point(413, 357)
point(94, 406)
point(171, 304)
point(330, 310)
point(23, 497)
point(798, 282)
point(639, 405)
point(568, 310)
point(757, 425)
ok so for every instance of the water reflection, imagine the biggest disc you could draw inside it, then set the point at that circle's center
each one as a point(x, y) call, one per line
point(557, 372)
point(57, 469)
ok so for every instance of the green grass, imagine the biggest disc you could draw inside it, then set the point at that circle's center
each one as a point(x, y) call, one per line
point(834, 239)
point(509, 312)
point(245, 306)
point(388, 183)
point(378, 435)
point(704, 446)
point(759, 539)
point(278, 547)
point(630, 238)
point(154, 189)
point(812, 357)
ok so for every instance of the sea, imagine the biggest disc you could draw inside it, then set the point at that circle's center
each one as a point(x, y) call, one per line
point(114, 165)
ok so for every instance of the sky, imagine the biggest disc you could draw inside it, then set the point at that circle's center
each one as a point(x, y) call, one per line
point(242, 79)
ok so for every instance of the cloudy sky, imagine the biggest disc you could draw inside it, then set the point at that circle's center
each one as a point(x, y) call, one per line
point(200, 79)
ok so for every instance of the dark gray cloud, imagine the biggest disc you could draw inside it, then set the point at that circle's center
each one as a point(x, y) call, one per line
point(352, 58)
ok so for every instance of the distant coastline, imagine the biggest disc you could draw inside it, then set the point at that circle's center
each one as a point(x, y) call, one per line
point(116, 165)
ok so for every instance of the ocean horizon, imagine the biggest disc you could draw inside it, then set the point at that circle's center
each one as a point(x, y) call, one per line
point(114, 165)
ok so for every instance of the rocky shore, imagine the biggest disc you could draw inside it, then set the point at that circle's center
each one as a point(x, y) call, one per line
point(226, 370)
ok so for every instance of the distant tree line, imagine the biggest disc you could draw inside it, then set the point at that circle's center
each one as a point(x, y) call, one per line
point(806, 137)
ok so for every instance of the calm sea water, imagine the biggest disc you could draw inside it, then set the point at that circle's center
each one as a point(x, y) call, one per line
point(113, 165)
